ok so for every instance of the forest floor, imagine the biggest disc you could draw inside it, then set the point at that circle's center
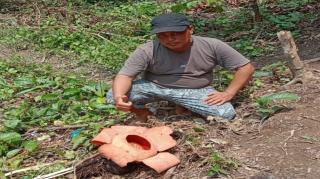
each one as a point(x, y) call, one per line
point(286, 145)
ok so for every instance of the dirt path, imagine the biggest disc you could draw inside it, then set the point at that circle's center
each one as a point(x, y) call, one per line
point(288, 144)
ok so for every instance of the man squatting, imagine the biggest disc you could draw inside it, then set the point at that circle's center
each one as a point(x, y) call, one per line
point(178, 67)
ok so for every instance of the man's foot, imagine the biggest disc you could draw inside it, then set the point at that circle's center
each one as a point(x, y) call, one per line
point(141, 114)
point(182, 111)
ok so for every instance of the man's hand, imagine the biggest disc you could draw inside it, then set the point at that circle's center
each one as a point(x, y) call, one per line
point(218, 98)
point(241, 77)
point(123, 104)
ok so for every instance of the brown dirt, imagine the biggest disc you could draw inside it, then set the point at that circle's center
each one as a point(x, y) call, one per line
point(285, 146)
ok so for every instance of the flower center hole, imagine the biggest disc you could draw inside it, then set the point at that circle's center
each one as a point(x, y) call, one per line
point(138, 142)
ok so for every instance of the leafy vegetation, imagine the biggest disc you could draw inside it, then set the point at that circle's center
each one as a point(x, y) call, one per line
point(221, 165)
point(222, 79)
point(265, 105)
point(35, 96)
point(107, 32)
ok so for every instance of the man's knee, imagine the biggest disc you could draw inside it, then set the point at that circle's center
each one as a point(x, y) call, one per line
point(230, 114)
point(226, 111)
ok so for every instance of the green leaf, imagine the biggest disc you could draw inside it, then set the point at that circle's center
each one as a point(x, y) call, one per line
point(3, 82)
point(2, 176)
point(101, 100)
point(3, 149)
point(12, 124)
point(12, 71)
point(11, 138)
point(72, 81)
point(50, 97)
point(38, 98)
point(283, 96)
point(13, 153)
point(110, 123)
point(14, 164)
point(69, 92)
point(102, 106)
point(100, 89)
point(198, 129)
point(70, 155)
point(23, 81)
point(266, 110)
point(267, 99)
point(89, 88)
point(30, 145)
point(77, 141)
point(38, 112)
point(26, 177)
point(28, 90)
point(260, 73)
point(179, 7)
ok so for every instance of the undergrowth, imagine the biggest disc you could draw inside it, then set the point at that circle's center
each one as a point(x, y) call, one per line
point(221, 165)
point(107, 32)
point(34, 97)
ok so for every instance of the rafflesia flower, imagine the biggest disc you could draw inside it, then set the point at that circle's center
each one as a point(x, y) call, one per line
point(125, 144)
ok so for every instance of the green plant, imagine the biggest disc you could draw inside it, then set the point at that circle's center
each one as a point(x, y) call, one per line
point(230, 22)
point(220, 164)
point(292, 4)
point(222, 79)
point(107, 35)
point(265, 105)
point(40, 97)
point(216, 4)
point(278, 70)
point(193, 139)
point(248, 48)
point(198, 23)
point(286, 22)
point(182, 6)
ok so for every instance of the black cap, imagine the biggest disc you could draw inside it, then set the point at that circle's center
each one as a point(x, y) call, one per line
point(170, 22)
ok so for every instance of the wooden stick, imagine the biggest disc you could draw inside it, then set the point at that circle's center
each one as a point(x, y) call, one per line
point(66, 127)
point(291, 52)
point(310, 118)
point(55, 128)
point(36, 167)
point(56, 174)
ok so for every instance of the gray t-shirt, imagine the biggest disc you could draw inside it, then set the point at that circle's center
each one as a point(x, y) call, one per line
point(190, 69)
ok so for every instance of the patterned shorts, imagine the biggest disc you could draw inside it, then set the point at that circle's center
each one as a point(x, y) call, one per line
point(143, 92)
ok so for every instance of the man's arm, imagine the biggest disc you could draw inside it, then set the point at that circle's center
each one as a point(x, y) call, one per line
point(242, 76)
point(120, 87)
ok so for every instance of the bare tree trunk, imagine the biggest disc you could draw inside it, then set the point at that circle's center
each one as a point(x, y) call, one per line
point(254, 5)
point(291, 52)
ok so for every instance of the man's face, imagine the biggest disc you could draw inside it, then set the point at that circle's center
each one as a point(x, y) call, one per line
point(176, 41)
